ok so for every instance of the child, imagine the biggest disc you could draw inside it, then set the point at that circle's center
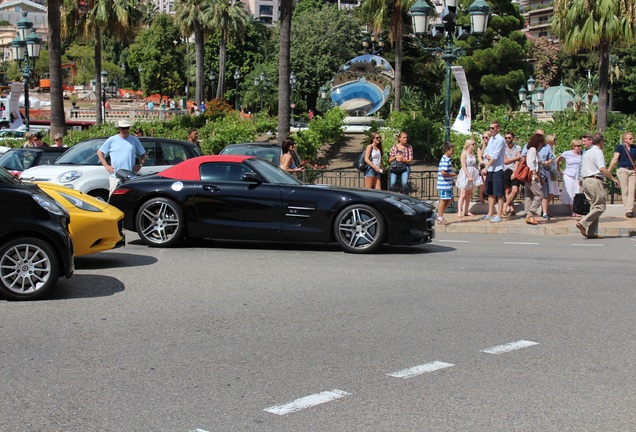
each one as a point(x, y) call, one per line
point(445, 176)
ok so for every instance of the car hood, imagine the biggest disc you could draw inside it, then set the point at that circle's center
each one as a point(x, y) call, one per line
point(55, 170)
point(52, 188)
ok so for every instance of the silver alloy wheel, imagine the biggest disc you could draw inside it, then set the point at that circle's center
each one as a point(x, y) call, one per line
point(28, 268)
point(160, 222)
point(359, 228)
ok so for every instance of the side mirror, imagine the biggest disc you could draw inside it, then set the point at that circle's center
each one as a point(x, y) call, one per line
point(251, 177)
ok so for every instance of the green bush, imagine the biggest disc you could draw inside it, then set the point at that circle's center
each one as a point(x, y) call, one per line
point(327, 129)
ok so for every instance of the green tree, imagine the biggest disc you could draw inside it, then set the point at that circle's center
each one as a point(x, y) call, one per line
point(230, 18)
point(590, 25)
point(192, 16)
point(160, 56)
point(90, 18)
point(378, 13)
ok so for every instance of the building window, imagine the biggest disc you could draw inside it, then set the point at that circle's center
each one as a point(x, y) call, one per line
point(266, 10)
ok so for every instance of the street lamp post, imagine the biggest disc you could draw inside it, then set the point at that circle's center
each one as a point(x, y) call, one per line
point(104, 80)
point(261, 82)
point(237, 77)
point(369, 43)
point(526, 95)
point(212, 83)
point(420, 14)
point(26, 49)
point(292, 83)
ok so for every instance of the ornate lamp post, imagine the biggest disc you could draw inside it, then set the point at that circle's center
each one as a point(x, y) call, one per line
point(237, 77)
point(104, 81)
point(261, 82)
point(292, 83)
point(526, 95)
point(212, 82)
point(26, 49)
point(369, 43)
point(420, 14)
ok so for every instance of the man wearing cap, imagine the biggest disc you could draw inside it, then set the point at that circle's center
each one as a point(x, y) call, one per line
point(122, 149)
point(594, 172)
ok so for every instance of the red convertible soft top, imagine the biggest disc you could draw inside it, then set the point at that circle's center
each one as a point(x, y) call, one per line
point(189, 169)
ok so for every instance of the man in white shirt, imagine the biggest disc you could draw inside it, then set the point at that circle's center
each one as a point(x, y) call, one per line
point(594, 172)
point(494, 172)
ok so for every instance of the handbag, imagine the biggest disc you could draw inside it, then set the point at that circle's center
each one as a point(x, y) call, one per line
point(360, 164)
point(580, 204)
point(397, 167)
point(522, 172)
point(553, 170)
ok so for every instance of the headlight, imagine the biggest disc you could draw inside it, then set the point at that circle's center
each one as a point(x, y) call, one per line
point(83, 205)
point(70, 176)
point(50, 205)
point(406, 209)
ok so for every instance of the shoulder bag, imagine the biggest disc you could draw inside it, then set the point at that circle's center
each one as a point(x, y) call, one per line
point(522, 172)
point(580, 205)
point(360, 164)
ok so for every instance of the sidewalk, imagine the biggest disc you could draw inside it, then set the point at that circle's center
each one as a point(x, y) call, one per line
point(613, 223)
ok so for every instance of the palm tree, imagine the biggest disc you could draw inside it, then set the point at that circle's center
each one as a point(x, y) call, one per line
point(230, 18)
point(91, 18)
point(379, 12)
point(593, 24)
point(58, 124)
point(286, 9)
point(191, 15)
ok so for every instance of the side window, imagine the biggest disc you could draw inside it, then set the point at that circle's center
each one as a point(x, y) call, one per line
point(171, 153)
point(222, 172)
point(149, 146)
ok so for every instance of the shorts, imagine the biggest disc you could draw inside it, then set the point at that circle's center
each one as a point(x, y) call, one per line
point(370, 172)
point(445, 194)
point(494, 183)
point(508, 181)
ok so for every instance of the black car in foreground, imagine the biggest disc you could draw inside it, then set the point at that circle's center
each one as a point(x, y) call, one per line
point(17, 160)
point(247, 198)
point(35, 245)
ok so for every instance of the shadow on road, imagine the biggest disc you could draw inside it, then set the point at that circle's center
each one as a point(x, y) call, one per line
point(85, 286)
point(112, 260)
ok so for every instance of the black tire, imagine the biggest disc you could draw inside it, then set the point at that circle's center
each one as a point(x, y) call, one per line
point(160, 222)
point(359, 228)
point(101, 195)
point(29, 268)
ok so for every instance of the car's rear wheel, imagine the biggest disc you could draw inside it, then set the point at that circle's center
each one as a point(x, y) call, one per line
point(359, 229)
point(29, 267)
point(160, 222)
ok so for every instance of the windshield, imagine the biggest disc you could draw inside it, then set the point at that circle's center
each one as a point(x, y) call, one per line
point(6, 177)
point(273, 174)
point(84, 153)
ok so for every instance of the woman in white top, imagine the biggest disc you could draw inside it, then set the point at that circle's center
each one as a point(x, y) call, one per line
point(469, 177)
point(572, 160)
point(534, 192)
point(373, 158)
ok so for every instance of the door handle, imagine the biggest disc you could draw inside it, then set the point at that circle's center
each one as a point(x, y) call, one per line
point(210, 188)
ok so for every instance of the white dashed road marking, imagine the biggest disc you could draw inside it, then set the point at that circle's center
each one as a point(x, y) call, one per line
point(454, 241)
point(307, 402)
point(500, 349)
point(418, 370)
point(520, 243)
point(587, 244)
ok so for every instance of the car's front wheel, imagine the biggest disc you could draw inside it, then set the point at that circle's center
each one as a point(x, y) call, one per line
point(160, 222)
point(359, 229)
point(29, 268)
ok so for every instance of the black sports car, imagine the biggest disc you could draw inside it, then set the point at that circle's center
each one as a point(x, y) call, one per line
point(35, 245)
point(247, 198)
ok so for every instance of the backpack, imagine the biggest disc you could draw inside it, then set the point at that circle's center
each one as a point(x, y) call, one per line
point(360, 163)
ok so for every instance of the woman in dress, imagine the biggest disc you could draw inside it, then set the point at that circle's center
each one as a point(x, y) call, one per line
point(401, 152)
point(534, 192)
point(286, 160)
point(373, 158)
point(572, 159)
point(469, 178)
point(552, 189)
point(482, 163)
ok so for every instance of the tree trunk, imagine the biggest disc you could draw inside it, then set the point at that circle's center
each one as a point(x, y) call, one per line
point(58, 124)
point(286, 10)
point(200, 72)
point(397, 82)
point(603, 85)
point(98, 77)
point(220, 92)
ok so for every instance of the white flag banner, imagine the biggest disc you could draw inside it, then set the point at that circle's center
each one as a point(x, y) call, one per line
point(462, 123)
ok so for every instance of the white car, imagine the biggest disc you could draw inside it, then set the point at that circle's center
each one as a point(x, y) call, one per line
point(79, 167)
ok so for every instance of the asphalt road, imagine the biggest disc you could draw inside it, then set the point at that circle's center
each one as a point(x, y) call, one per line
point(469, 333)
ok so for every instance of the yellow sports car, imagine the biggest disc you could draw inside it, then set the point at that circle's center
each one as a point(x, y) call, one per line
point(95, 226)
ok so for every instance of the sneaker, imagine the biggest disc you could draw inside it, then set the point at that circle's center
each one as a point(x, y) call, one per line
point(546, 216)
point(486, 217)
point(495, 219)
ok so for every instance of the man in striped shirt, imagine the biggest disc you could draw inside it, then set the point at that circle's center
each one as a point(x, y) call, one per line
point(445, 176)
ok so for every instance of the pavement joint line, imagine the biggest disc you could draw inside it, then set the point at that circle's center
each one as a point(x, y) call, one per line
point(420, 369)
point(307, 402)
point(512, 346)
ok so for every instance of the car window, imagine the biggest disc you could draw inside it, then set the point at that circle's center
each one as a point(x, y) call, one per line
point(222, 171)
point(172, 153)
point(81, 154)
point(151, 154)
point(48, 158)
point(13, 160)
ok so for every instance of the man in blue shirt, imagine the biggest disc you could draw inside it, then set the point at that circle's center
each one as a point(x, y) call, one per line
point(494, 170)
point(122, 148)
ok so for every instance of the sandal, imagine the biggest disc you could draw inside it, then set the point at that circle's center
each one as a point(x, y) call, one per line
point(629, 215)
point(531, 221)
point(442, 221)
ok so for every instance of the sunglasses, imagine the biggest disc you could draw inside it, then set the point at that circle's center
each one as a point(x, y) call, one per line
point(578, 145)
point(492, 128)
point(485, 137)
